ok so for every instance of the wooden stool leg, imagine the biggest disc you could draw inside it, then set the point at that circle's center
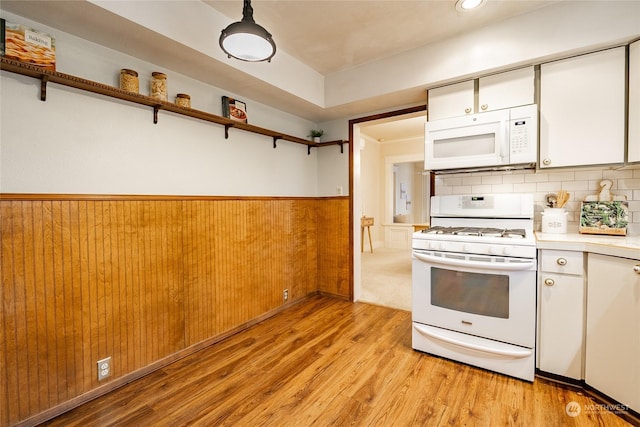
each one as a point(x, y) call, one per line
point(370, 242)
point(361, 239)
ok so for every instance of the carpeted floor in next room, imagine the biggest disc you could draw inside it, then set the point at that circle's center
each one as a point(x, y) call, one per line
point(386, 278)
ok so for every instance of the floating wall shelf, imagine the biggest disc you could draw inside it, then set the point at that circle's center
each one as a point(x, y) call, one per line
point(46, 76)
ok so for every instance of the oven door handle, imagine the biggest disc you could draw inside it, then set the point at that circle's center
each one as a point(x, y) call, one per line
point(508, 352)
point(475, 264)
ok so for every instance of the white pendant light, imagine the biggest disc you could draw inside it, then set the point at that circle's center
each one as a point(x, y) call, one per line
point(246, 40)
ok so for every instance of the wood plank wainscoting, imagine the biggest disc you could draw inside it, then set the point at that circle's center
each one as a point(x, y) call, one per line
point(147, 280)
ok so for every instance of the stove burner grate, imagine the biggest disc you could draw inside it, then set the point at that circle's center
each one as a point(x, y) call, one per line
point(478, 231)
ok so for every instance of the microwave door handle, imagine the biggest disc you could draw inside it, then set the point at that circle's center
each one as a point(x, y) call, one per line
point(506, 144)
point(475, 264)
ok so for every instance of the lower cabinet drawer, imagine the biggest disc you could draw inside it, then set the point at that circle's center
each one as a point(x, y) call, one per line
point(564, 262)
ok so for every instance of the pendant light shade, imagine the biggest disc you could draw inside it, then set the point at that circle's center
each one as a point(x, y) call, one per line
point(246, 40)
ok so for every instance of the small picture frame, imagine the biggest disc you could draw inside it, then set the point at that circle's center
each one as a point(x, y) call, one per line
point(234, 109)
point(599, 217)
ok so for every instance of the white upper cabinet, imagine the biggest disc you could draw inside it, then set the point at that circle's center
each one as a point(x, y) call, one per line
point(505, 90)
point(495, 92)
point(451, 101)
point(634, 103)
point(582, 110)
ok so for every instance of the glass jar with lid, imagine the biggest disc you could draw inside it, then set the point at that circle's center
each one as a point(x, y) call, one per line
point(129, 80)
point(158, 86)
point(183, 100)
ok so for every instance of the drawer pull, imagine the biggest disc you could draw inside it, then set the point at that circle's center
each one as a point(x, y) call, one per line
point(549, 282)
point(562, 261)
point(636, 269)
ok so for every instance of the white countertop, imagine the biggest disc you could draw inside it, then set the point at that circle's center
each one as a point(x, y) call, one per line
point(622, 246)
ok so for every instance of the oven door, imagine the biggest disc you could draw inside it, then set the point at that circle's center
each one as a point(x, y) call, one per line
point(487, 296)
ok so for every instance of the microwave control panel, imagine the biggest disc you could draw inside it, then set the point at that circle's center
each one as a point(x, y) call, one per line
point(523, 134)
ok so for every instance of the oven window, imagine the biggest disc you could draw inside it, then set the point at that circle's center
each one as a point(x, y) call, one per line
point(475, 293)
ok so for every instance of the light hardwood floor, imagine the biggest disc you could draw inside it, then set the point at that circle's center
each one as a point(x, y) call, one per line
point(329, 362)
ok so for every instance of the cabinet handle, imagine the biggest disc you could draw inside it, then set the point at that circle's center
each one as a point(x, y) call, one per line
point(467, 110)
point(549, 282)
point(636, 269)
point(562, 261)
point(546, 162)
point(484, 107)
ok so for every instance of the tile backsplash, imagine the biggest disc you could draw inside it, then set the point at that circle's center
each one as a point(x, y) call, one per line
point(579, 183)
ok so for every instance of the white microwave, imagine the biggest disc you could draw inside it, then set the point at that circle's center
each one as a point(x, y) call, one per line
point(493, 140)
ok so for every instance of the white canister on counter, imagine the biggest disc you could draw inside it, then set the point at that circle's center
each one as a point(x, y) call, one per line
point(554, 220)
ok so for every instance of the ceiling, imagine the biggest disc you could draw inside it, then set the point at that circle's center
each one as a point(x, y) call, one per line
point(327, 35)
point(333, 35)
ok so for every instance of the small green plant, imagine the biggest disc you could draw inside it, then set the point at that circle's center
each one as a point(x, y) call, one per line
point(316, 133)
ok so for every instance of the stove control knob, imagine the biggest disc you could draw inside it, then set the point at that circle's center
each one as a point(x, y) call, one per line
point(493, 250)
point(466, 248)
point(507, 250)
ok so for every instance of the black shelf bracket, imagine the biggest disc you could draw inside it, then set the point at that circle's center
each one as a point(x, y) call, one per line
point(341, 147)
point(156, 108)
point(226, 131)
point(43, 87)
point(275, 139)
point(308, 150)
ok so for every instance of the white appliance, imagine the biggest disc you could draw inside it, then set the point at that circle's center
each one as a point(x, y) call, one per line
point(474, 282)
point(500, 139)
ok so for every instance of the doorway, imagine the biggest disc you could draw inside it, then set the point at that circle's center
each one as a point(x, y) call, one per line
point(380, 145)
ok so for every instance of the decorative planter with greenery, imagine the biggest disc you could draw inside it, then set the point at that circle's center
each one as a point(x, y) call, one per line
point(315, 134)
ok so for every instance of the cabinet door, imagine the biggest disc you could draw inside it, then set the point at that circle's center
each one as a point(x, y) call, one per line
point(582, 110)
point(634, 102)
point(560, 347)
point(451, 101)
point(612, 363)
point(505, 90)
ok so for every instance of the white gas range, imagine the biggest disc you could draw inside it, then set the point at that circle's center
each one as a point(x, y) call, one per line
point(474, 282)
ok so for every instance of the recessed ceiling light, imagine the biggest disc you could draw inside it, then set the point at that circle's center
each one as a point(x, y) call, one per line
point(468, 5)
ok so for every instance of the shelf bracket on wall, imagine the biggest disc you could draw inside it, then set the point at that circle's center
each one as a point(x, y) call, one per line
point(341, 147)
point(275, 138)
point(308, 150)
point(43, 87)
point(156, 108)
point(226, 131)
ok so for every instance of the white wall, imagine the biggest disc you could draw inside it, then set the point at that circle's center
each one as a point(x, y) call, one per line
point(77, 142)
point(372, 185)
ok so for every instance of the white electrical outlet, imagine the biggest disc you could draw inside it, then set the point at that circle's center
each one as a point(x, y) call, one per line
point(104, 368)
point(285, 294)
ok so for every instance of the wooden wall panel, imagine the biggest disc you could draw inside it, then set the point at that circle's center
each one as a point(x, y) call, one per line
point(334, 257)
point(140, 280)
